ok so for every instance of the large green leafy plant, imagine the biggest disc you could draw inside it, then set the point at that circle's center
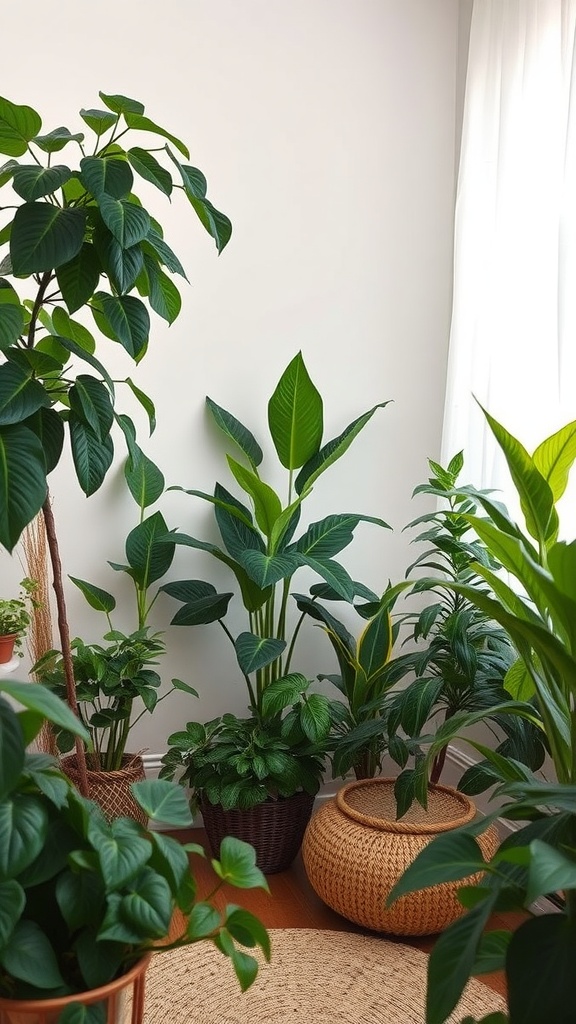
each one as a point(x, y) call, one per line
point(536, 604)
point(82, 900)
point(75, 238)
point(280, 749)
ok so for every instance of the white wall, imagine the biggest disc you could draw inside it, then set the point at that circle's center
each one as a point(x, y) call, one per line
point(326, 129)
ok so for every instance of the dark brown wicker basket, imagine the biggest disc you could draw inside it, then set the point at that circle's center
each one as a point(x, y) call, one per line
point(275, 828)
point(111, 790)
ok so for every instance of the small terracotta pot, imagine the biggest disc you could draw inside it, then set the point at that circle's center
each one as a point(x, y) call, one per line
point(7, 641)
point(114, 995)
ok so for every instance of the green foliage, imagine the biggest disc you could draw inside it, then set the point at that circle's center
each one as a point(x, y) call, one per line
point(16, 612)
point(77, 233)
point(538, 612)
point(81, 899)
point(281, 747)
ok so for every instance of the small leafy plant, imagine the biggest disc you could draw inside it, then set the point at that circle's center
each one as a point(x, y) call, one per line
point(287, 730)
point(16, 612)
point(82, 900)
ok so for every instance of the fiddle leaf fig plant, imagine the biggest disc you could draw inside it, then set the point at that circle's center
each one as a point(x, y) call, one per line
point(79, 246)
point(286, 737)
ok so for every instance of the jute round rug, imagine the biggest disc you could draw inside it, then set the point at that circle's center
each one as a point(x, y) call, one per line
point(314, 977)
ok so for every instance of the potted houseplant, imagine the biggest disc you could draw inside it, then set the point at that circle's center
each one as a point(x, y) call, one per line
point(77, 238)
point(15, 616)
point(116, 681)
point(261, 772)
point(458, 662)
point(85, 903)
point(536, 605)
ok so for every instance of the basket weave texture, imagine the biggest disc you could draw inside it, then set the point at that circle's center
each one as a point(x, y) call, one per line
point(354, 852)
point(274, 828)
point(111, 790)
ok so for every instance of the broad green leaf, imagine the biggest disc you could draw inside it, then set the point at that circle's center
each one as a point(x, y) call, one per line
point(540, 971)
point(149, 550)
point(332, 451)
point(147, 166)
point(235, 532)
point(253, 597)
point(128, 222)
point(81, 352)
point(282, 693)
point(334, 574)
point(315, 717)
point(144, 124)
point(149, 908)
point(169, 857)
point(164, 296)
point(37, 697)
point(92, 456)
point(98, 120)
point(204, 920)
point(554, 458)
point(195, 180)
point(535, 493)
point(451, 961)
point(55, 140)
point(163, 802)
point(90, 400)
point(11, 322)
point(237, 432)
point(22, 481)
point(80, 895)
point(97, 598)
point(78, 279)
point(23, 828)
point(254, 652)
point(12, 749)
point(127, 318)
point(12, 903)
point(448, 858)
point(144, 479)
point(74, 331)
point(266, 570)
point(100, 962)
point(158, 247)
point(44, 237)
point(550, 871)
point(33, 182)
point(237, 865)
point(562, 565)
point(247, 929)
point(233, 507)
point(121, 104)
point(202, 611)
point(295, 416)
point(31, 958)
point(375, 644)
point(106, 176)
point(122, 853)
point(518, 682)
point(217, 224)
point(20, 395)
point(331, 535)
point(267, 505)
point(18, 126)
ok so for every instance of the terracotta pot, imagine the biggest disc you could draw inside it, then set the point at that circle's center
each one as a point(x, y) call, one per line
point(111, 790)
point(114, 995)
point(354, 851)
point(7, 641)
point(274, 828)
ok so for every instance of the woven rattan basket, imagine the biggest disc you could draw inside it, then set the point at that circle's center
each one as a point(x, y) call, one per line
point(274, 828)
point(354, 852)
point(111, 790)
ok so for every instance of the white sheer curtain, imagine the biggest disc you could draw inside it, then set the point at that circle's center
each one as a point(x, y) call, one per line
point(513, 334)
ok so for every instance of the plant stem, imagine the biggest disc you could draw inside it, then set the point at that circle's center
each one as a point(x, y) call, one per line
point(64, 634)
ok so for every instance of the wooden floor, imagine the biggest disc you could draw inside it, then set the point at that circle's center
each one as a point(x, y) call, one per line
point(292, 903)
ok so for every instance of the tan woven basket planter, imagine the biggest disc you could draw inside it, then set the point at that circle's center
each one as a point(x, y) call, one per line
point(354, 852)
point(111, 790)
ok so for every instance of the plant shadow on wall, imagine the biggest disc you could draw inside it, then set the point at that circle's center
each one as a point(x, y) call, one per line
point(279, 750)
point(78, 235)
point(85, 902)
point(538, 611)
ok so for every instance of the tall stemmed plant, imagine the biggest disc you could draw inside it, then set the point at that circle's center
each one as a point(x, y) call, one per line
point(81, 238)
point(538, 610)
